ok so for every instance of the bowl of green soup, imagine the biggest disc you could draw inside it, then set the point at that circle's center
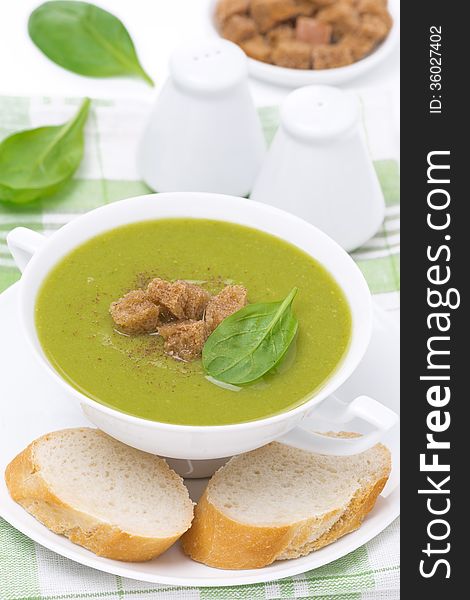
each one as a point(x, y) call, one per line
point(137, 391)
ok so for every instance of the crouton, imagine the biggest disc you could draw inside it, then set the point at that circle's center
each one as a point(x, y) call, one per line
point(359, 45)
point(268, 13)
point(196, 301)
point(342, 17)
point(312, 31)
point(181, 299)
point(273, 31)
point(166, 330)
point(280, 33)
point(238, 28)
point(231, 299)
point(293, 54)
point(373, 7)
point(371, 31)
point(227, 8)
point(184, 340)
point(257, 48)
point(331, 56)
point(375, 27)
point(323, 3)
point(170, 296)
point(135, 313)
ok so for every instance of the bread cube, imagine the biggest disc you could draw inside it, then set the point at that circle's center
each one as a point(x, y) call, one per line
point(373, 7)
point(324, 3)
point(331, 56)
point(375, 27)
point(238, 28)
point(359, 45)
point(196, 301)
point(293, 54)
point(280, 33)
point(231, 299)
point(269, 13)
point(341, 16)
point(312, 31)
point(257, 48)
point(184, 340)
point(181, 299)
point(135, 313)
point(227, 8)
point(170, 296)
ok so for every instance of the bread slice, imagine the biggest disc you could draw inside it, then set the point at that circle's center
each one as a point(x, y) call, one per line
point(114, 500)
point(279, 502)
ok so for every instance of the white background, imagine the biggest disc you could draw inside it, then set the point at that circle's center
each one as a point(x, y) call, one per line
point(157, 27)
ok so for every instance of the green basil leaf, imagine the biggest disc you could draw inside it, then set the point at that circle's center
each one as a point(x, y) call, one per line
point(251, 342)
point(35, 163)
point(85, 39)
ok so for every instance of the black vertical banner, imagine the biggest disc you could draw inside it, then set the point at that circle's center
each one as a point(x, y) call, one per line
point(435, 321)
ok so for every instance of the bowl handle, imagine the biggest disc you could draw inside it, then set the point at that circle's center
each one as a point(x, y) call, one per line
point(333, 411)
point(23, 243)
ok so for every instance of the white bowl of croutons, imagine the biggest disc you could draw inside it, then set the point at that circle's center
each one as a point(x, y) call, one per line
point(302, 42)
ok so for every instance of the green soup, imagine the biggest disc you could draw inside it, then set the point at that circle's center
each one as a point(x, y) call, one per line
point(132, 374)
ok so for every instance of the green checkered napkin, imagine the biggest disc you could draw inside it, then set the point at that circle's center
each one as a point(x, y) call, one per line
point(108, 173)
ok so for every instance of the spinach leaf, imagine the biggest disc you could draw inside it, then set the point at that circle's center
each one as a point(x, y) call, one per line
point(251, 342)
point(36, 162)
point(85, 39)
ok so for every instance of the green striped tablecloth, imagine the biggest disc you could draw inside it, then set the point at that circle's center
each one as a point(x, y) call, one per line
point(108, 173)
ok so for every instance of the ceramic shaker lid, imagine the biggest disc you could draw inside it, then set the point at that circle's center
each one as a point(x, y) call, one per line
point(319, 112)
point(208, 66)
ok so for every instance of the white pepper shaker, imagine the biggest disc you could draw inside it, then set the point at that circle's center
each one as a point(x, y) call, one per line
point(319, 166)
point(204, 133)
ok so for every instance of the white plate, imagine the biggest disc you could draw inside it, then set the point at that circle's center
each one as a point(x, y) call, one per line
point(299, 77)
point(32, 405)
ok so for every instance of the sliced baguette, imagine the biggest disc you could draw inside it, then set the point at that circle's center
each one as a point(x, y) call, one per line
point(116, 501)
point(278, 502)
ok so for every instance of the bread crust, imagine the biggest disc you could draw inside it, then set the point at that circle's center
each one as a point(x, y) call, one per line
point(219, 541)
point(27, 487)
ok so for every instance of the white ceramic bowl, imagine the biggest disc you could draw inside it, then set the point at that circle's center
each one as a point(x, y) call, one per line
point(210, 442)
point(300, 77)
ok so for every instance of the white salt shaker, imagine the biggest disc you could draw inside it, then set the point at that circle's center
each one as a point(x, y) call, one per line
point(204, 133)
point(319, 167)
